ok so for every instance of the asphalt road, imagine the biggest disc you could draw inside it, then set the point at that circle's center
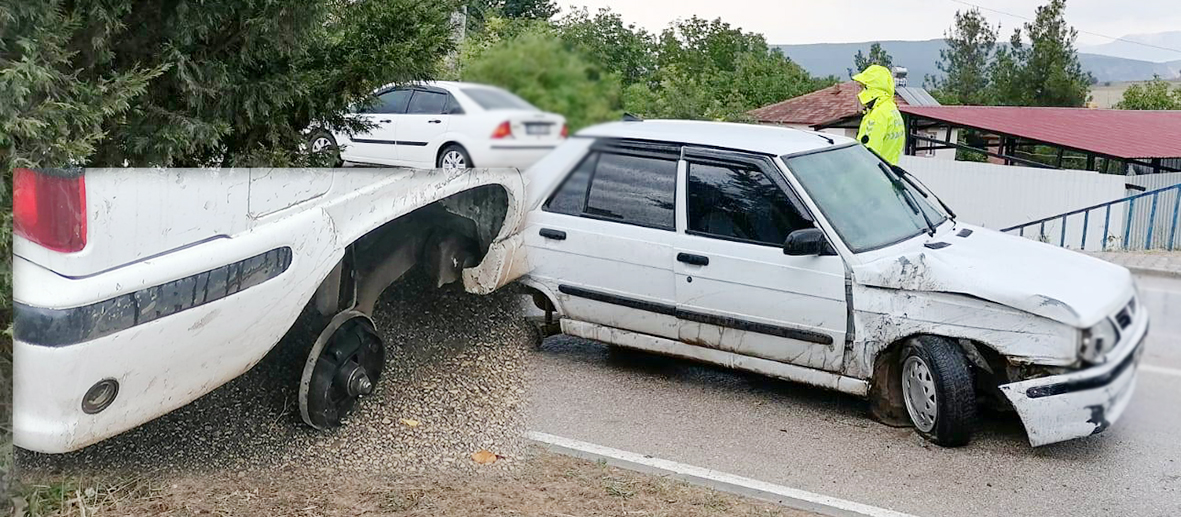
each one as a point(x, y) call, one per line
point(825, 442)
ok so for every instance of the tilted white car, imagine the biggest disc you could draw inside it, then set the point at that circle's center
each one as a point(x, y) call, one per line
point(448, 125)
point(136, 291)
point(805, 257)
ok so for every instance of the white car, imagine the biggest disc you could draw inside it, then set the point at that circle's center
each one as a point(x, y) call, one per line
point(805, 257)
point(448, 125)
point(136, 291)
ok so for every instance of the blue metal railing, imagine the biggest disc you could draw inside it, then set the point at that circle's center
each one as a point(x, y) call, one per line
point(1141, 225)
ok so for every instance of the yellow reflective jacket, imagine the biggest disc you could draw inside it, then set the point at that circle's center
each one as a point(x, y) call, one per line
point(881, 128)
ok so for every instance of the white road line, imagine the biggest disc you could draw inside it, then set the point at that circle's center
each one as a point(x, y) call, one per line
point(1161, 370)
point(790, 497)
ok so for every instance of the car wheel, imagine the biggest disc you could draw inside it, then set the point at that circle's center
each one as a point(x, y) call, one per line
point(323, 142)
point(454, 157)
point(938, 390)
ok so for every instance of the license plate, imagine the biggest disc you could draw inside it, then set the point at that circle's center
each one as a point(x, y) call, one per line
point(537, 129)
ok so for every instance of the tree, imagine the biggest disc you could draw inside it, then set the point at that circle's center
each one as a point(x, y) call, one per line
point(877, 56)
point(479, 11)
point(538, 66)
point(710, 70)
point(1044, 72)
point(225, 82)
point(607, 41)
point(965, 61)
point(1152, 95)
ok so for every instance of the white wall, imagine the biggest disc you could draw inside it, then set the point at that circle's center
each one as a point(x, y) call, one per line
point(999, 196)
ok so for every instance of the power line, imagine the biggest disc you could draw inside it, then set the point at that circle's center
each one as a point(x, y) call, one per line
point(969, 4)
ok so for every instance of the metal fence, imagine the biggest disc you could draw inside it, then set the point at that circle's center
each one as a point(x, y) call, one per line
point(1144, 221)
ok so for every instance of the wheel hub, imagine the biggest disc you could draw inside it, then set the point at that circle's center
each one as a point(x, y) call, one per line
point(918, 390)
point(453, 160)
point(344, 366)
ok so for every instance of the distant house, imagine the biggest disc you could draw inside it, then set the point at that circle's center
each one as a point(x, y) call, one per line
point(835, 110)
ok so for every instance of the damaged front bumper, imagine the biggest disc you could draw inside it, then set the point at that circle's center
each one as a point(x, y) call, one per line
point(1081, 403)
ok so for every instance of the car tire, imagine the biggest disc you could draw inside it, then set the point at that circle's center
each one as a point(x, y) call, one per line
point(322, 140)
point(938, 390)
point(453, 156)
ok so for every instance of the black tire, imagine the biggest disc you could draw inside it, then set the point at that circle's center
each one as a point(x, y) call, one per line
point(317, 140)
point(453, 148)
point(947, 369)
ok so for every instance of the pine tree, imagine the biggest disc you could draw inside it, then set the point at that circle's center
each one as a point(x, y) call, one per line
point(1046, 70)
point(877, 56)
point(964, 63)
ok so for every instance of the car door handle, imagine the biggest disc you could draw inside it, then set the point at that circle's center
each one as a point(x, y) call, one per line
point(385, 121)
point(435, 121)
point(696, 260)
point(557, 235)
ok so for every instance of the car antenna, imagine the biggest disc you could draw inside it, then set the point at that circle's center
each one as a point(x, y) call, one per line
point(821, 135)
point(628, 117)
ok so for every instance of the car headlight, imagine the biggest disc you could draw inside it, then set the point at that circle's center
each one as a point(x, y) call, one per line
point(1098, 341)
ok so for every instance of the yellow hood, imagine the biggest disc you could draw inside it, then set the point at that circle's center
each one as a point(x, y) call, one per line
point(878, 82)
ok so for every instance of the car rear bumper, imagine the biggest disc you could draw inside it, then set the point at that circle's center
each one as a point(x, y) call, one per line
point(1082, 403)
point(520, 155)
point(166, 330)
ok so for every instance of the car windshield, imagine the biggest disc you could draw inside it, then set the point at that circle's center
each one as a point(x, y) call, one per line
point(497, 99)
point(867, 205)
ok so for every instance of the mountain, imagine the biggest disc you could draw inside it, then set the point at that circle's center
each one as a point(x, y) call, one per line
point(1129, 50)
point(920, 58)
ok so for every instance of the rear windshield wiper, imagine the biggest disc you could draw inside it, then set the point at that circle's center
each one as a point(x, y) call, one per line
point(907, 196)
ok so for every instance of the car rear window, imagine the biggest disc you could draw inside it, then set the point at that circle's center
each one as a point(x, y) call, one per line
point(639, 190)
point(497, 99)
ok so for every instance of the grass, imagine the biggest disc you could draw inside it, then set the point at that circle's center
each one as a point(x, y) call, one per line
point(82, 496)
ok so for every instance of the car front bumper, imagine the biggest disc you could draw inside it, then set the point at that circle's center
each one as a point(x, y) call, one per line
point(1081, 403)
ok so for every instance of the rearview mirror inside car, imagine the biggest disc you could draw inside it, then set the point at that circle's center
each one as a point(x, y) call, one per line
point(807, 241)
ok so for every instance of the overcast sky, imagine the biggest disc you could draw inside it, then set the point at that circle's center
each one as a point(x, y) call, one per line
point(830, 21)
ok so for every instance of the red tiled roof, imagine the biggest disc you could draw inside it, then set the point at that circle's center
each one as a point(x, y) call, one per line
point(1118, 133)
point(835, 102)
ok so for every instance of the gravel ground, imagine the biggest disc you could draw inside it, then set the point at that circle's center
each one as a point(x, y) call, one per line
point(456, 367)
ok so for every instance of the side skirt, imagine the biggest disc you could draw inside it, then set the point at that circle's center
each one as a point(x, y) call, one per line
point(673, 348)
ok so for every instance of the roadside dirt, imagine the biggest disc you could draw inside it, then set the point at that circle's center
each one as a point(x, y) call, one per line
point(545, 485)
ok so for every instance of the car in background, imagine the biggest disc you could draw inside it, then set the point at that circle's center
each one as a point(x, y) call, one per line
point(447, 125)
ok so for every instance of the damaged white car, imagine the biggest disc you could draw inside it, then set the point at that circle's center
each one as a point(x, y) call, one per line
point(805, 257)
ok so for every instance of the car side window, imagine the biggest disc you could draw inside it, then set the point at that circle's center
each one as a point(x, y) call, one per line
point(426, 103)
point(627, 188)
point(739, 203)
point(452, 107)
point(393, 101)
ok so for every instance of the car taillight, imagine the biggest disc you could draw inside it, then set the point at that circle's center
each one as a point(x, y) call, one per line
point(503, 130)
point(49, 208)
point(565, 131)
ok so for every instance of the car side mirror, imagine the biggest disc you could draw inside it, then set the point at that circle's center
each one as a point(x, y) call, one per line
point(807, 241)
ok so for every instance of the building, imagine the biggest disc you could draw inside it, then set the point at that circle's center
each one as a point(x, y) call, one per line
point(835, 110)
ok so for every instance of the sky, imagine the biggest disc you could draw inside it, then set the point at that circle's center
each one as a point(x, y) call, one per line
point(833, 21)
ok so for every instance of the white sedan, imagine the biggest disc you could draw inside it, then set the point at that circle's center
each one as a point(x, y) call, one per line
point(448, 125)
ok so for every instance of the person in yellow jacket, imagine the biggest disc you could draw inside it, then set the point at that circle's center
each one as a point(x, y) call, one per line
point(881, 127)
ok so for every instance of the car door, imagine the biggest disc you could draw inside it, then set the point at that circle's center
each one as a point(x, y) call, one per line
point(420, 129)
point(378, 145)
point(603, 241)
point(736, 289)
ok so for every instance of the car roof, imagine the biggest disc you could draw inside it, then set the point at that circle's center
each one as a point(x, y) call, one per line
point(775, 140)
point(446, 85)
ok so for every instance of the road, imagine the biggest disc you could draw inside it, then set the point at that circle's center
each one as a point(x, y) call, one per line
point(825, 442)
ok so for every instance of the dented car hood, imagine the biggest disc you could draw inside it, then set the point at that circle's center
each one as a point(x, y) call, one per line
point(1030, 276)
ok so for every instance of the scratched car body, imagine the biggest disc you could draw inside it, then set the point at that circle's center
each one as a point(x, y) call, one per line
point(139, 290)
point(804, 256)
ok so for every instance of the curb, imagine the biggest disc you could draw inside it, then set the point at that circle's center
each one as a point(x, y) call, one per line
point(784, 496)
point(1148, 271)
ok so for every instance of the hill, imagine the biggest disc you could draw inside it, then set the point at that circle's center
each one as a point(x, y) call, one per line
point(920, 58)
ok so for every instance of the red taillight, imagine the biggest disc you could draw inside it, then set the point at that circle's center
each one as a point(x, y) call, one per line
point(503, 130)
point(49, 208)
point(565, 131)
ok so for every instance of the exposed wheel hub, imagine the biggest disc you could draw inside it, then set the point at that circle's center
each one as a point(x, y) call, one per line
point(343, 366)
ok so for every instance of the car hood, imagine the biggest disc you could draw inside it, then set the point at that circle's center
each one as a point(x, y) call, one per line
point(1031, 276)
